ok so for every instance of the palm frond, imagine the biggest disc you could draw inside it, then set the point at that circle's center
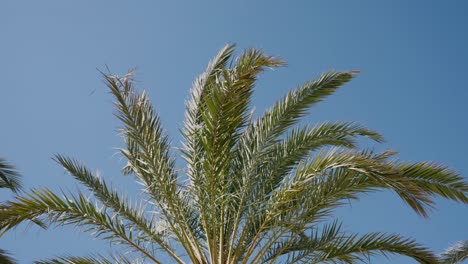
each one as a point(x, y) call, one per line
point(266, 129)
point(456, 253)
point(286, 154)
point(149, 157)
point(6, 258)
point(214, 121)
point(331, 180)
point(436, 180)
point(354, 248)
point(77, 260)
point(277, 161)
point(148, 146)
point(149, 230)
point(9, 177)
point(71, 210)
point(92, 259)
point(192, 151)
point(299, 243)
point(193, 118)
point(329, 244)
point(285, 113)
point(283, 156)
point(349, 173)
point(294, 105)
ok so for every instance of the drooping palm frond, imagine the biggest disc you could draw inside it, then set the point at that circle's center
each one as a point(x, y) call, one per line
point(456, 253)
point(287, 111)
point(93, 259)
point(9, 177)
point(72, 210)
point(284, 155)
point(148, 230)
point(77, 260)
point(254, 191)
point(354, 248)
point(255, 143)
point(332, 245)
point(257, 139)
point(330, 180)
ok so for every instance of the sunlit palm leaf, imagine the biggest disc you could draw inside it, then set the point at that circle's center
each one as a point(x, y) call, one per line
point(329, 244)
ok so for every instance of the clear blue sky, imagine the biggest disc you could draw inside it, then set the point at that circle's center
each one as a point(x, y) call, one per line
point(413, 55)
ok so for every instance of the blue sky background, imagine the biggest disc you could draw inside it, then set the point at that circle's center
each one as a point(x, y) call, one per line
point(413, 55)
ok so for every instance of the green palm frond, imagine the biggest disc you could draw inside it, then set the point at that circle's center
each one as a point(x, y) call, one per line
point(329, 244)
point(148, 229)
point(193, 118)
point(300, 244)
point(266, 129)
point(93, 259)
point(77, 260)
point(436, 180)
point(71, 210)
point(340, 175)
point(287, 111)
point(283, 156)
point(333, 179)
point(217, 112)
point(252, 191)
point(193, 148)
point(278, 161)
point(355, 248)
point(9, 177)
point(149, 158)
point(456, 253)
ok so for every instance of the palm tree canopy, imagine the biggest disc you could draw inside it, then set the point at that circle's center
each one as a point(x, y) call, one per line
point(254, 190)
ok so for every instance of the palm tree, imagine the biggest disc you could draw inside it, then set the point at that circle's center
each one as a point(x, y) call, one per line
point(253, 190)
point(456, 253)
point(9, 179)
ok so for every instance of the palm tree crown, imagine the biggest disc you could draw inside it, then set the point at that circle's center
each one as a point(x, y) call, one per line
point(253, 190)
